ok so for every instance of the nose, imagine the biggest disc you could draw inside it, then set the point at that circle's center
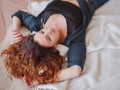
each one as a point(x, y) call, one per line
point(48, 31)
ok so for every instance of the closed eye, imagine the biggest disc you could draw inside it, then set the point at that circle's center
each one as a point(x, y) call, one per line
point(42, 32)
point(48, 38)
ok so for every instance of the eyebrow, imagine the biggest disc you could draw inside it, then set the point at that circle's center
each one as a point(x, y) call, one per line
point(44, 37)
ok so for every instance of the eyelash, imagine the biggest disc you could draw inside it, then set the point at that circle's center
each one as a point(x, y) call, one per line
point(47, 38)
point(41, 32)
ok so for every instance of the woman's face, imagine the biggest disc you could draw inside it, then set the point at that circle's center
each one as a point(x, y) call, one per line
point(48, 36)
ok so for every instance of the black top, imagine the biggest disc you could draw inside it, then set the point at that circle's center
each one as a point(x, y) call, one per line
point(75, 39)
point(71, 13)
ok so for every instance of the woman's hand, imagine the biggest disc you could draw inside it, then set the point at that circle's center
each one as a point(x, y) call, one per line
point(30, 84)
point(16, 36)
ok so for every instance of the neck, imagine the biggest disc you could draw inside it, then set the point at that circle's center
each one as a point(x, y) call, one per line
point(62, 36)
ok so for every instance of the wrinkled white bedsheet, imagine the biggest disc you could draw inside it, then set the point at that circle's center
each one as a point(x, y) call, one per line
point(102, 67)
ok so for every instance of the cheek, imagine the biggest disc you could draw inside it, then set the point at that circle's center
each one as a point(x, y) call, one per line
point(54, 41)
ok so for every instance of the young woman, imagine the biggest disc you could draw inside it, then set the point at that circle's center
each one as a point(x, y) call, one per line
point(63, 22)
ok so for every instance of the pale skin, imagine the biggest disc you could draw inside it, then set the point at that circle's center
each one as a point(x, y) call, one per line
point(53, 32)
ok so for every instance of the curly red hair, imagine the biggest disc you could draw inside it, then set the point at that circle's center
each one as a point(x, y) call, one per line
point(28, 58)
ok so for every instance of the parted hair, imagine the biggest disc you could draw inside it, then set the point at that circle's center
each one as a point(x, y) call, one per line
point(28, 58)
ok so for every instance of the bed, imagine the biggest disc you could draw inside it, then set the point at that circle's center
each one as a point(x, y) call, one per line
point(102, 66)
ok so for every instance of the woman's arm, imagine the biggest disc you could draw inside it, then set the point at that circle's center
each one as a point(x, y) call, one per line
point(21, 18)
point(16, 23)
point(76, 60)
point(16, 34)
point(64, 74)
point(24, 19)
point(69, 73)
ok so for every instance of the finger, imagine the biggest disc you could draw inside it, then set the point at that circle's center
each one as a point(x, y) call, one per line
point(16, 34)
point(27, 83)
point(34, 83)
point(25, 80)
point(18, 39)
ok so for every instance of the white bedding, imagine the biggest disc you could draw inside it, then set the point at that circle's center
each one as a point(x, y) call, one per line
point(102, 67)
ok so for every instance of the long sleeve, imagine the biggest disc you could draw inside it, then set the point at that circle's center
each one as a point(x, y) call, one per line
point(77, 54)
point(76, 40)
point(26, 19)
